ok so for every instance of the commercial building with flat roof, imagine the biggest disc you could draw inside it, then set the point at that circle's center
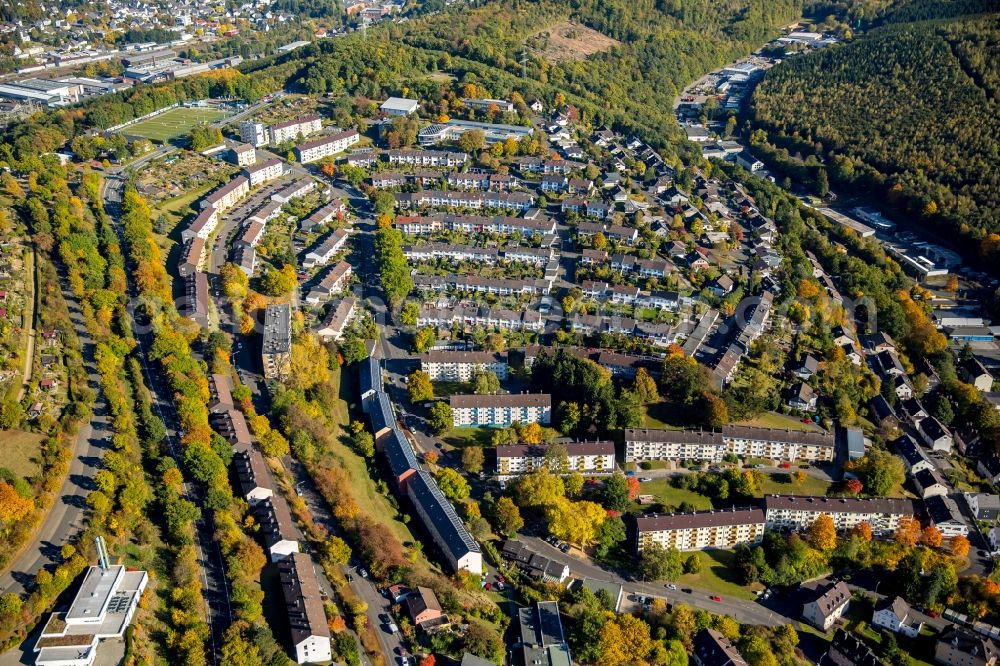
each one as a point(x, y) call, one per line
point(399, 106)
point(543, 641)
point(102, 609)
point(452, 130)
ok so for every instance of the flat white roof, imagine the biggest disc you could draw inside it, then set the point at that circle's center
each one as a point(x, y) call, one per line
point(96, 590)
point(399, 104)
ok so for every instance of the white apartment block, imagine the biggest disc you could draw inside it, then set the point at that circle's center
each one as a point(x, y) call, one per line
point(461, 366)
point(798, 513)
point(202, 226)
point(589, 458)
point(265, 171)
point(501, 410)
point(294, 129)
point(256, 134)
point(326, 146)
point(513, 201)
point(226, 196)
point(725, 528)
point(481, 317)
point(426, 158)
point(326, 250)
point(425, 224)
point(713, 446)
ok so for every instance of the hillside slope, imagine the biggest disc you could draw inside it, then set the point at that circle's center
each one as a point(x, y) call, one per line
point(629, 83)
point(909, 110)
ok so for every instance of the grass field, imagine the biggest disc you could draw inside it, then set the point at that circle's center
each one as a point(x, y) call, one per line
point(781, 483)
point(459, 438)
point(718, 576)
point(19, 450)
point(178, 208)
point(661, 416)
point(775, 420)
point(371, 502)
point(669, 495)
point(173, 123)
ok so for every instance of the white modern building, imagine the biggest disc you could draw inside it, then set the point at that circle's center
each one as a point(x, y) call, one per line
point(101, 610)
point(399, 106)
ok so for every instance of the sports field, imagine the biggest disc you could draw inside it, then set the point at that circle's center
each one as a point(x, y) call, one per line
point(173, 123)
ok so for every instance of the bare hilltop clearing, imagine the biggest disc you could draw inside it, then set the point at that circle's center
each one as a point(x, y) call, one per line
point(568, 40)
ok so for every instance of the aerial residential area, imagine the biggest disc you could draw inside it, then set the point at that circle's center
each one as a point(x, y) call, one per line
point(433, 333)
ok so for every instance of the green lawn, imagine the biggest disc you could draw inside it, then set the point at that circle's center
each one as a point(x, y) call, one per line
point(775, 420)
point(173, 123)
point(661, 415)
point(370, 501)
point(445, 389)
point(179, 207)
point(718, 576)
point(459, 438)
point(19, 450)
point(669, 495)
point(781, 483)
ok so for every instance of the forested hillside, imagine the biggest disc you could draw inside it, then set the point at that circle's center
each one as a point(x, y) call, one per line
point(908, 111)
point(662, 45)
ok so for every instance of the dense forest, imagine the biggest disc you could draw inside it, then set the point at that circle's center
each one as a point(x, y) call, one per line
point(907, 112)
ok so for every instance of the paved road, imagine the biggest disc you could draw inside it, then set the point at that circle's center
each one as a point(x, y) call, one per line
point(748, 612)
point(65, 518)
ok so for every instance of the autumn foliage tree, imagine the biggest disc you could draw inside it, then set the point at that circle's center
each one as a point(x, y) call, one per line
point(823, 534)
point(931, 537)
point(624, 640)
point(907, 532)
point(959, 545)
point(863, 531)
point(853, 486)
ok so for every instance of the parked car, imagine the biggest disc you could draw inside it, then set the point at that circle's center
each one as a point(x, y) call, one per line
point(645, 479)
point(362, 572)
